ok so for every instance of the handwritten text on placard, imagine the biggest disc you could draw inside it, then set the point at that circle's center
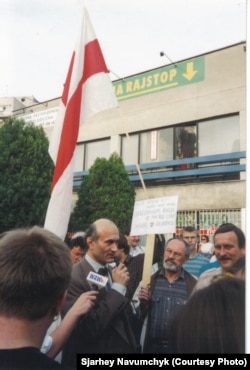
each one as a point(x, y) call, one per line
point(154, 216)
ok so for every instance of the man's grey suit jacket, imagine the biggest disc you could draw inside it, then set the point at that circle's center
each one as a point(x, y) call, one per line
point(105, 328)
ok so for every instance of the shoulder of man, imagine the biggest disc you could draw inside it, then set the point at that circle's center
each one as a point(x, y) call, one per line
point(201, 258)
point(187, 275)
point(154, 276)
point(206, 277)
point(211, 272)
point(139, 257)
point(81, 269)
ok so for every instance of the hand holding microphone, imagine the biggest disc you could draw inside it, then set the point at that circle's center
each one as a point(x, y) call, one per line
point(120, 274)
point(84, 303)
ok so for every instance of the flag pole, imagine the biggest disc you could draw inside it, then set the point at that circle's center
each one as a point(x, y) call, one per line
point(150, 241)
point(133, 151)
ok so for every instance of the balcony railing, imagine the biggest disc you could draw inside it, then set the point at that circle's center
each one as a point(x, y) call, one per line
point(210, 166)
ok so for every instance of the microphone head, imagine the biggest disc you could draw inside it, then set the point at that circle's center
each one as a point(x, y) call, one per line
point(96, 280)
point(162, 53)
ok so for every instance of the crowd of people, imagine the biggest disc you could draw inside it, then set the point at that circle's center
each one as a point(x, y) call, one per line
point(52, 306)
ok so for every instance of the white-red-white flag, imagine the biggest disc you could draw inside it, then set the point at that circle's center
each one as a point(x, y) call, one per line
point(87, 90)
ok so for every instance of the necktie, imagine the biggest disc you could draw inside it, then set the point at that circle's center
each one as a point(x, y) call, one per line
point(104, 272)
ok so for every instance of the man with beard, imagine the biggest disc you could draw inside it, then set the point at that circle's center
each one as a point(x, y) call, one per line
point(229, 247)
point(169, 290)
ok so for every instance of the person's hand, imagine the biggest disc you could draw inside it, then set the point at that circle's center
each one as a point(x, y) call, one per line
point(144, 293)
point(120, 274)
point(84, 303)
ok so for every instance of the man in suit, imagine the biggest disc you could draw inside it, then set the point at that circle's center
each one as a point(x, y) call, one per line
point(104, 329)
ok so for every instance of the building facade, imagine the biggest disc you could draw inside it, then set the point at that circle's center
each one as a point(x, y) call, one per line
point(180, 130)
point(185, 126)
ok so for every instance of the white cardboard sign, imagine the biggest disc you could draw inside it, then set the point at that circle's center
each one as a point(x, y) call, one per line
point(154, 216)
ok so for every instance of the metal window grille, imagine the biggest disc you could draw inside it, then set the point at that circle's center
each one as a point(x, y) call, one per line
point(207, 221)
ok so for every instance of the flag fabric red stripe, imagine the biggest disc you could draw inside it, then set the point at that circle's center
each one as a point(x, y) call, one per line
point(87, 90)
point(93, 63)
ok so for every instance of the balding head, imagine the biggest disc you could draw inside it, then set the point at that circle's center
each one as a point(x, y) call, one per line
point(98, 227)
point(104, 224)
point(102, 238)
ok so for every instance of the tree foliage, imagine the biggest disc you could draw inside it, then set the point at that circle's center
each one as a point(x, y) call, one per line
point(106, 192)
point(26, 171)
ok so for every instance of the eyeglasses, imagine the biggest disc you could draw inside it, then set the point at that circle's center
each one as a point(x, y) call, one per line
point(203, 239)
point(189, 237)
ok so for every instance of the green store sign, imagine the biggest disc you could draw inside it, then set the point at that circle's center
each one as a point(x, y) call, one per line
point(181, 74)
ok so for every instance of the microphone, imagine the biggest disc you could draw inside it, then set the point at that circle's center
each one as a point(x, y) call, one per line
point(116, 260)
point(96, 281)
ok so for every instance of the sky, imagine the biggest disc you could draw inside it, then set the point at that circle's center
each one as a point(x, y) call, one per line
point(37, 37)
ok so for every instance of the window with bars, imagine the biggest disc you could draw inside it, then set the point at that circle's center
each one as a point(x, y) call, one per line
point(207, 221)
